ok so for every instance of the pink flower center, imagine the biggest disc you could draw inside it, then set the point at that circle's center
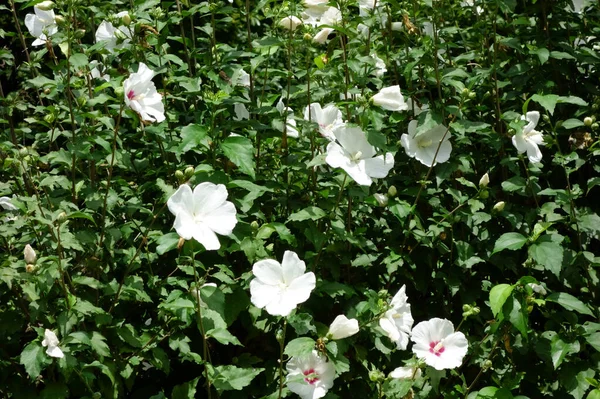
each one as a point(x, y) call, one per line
point(437, 348)
point(311, 376)
point(130, 95)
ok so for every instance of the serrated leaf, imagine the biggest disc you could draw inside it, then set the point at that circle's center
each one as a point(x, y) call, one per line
point(308, 213)
point(511, 241)
point(547, 101)
point(498, 296)
point(187, 390)
point(569, 302)
point(193, 136)
point(299, 346)
point(549, 255)
point(227, 378)
point(223, 336)
point(240, 151)
point(33, 358)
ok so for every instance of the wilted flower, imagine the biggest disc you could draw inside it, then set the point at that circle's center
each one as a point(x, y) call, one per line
point(310, 376)
point(203, 213)
point(51, 341)
point(42, 24)
point(438, 344)
point(280, 287)
point(114, 38)
point(406, 373)
point(390, 98)
point(29, 255)
point(327, 118)
point(141, 95)
point(342, 327)
point(529, 138)
point(290, 23)
point(241, 112)
point(484, 181)
point(424, 147)
point(356, 156)
point(290, 122)
point(398, 320)
point(380, 68)
point(499, 207)
point(6, 204)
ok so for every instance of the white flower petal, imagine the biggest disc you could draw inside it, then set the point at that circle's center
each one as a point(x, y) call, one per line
point(342, 327)
point(379, 167)
point(292, 266)
point(268, 271)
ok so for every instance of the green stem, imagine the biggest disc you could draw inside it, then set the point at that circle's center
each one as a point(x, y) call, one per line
point(205, 352)
point(281, 348)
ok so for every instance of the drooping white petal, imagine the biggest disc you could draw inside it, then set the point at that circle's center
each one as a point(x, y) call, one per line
point(205, 236)
point(342, 327)
point(379, 167)
point(405, 373)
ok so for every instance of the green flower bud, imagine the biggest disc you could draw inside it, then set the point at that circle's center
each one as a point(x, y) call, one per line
point(119, 92)
point(45, 5)
point(472, 95)
point(381, 199)
point(61, 217)
point(49, 118)
point(126, 19)
point(465, 92)
point(179, 175)
point(595, 107)
point(376, 375)
point(511, 132)
point(546, 118)
point(81, 101)
point(60, 20)
point(254, 225)
point(588, 121)
point(79, 33)
point(595, 126)
point(466, 308)
point(189, 172)
point(392, 191)
point(487, 364)
point(484, 194)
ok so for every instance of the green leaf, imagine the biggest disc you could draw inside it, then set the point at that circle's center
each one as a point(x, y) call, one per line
point(595, 394)
point(572, 123)
point(548, 254)
point(517, 315)
point(193, 136)
point(227, 378)
point(167, 242)
point(187, 390)
point(240, 151)
point(548, 101)
point(308, 213)
point(299, 346)
point(558, 350)
point(512, 241)
point(223, 336)
point(594, 340)
point(569, 302)
point(33, 358)
point(542, 54)
point(498, 296)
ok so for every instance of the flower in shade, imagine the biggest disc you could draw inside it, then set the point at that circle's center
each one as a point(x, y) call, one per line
point(331, 16)
point(380, 68)
point(310, 376)
point(280, 287)
point(342, 327)
point(6, 204)
point(484, 181)
point(290, 122)
point(42, 24)
point(97, 71)
point(290, 23)
point(203, 213)
point(406, 373)
point(438, 345)
point(141, 95)
point(243, 78)
point(51, 341)
point(414, 105)
point(114, 38)
point(398, 320)
point(529, 139)
point(356, 156)
point(424, 146)
point(29, 254)
point(390, 98)
point(241, 112)
point(327, 118)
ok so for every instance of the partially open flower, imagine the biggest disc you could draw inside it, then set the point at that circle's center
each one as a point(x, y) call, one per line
point(51, 341)
point(406, 373)
point(484, 181)
point(342, 327)
point(310, 376)
point(398, 320)
point(391, 99)
point(327, 118)
point(29, 254)
point(529, 139)
point(290, 23)
point(114, 38)
point(42, 25)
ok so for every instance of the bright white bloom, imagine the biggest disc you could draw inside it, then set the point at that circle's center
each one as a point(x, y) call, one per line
point(42, 24)
point(342, 327)
point(406, 373)
point(241, 112)
point(196, 293)
point(381, 199)
point(398, 320)
point(203, 213)
point(327, 118)
point(356, 156)
point(417, 109)
point(290, 23)
point(397, 26)
point(310, 376)
point(29, 254)
point(6, 204)
point(424, 146)
point(280, 287)
point(51, 341)
point(141, 95)
point(243, 78)
point(332, 16)
point(579, 5)
point(315, 3)
point(438, 344)
point(529, 139)
point(484, 181)
point(114, 38)
point(290, 122)
point(499, 207)
point(391, 99)
point(538, 289)
point(365, 7)
point(95, 71)
point(380, 68)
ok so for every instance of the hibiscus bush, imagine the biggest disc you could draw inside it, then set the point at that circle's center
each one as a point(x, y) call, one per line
point(316, 198)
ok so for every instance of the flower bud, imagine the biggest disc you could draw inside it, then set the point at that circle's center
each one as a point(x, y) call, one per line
point(179, 175)
point(472, 95)
point(512, 132)
point(487, 364)
point(290, 23)
point(484, 194)
point(465, 92)
point(484, 181)
point(588, 121)
point(381, 199)
point(189, 172)
point(30, 268)
point(119, 92)
point(466, 308)
point(81, 101)
point(29, 254)
point(79, 33)
point(307, 36)
point(60, 20)
point(499, 207)
point(392, 191)
point(49, 118)
point(396, 26)
point(595, 126)
point(342, 327)
point(254, 225)
point(45, 5)
point(546, 118)
point(376, 375)
point(180, 243)
point(126, 19)
point(595, 107)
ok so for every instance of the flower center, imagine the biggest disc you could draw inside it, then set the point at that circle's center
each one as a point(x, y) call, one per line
point(424, 143)
point(130, 95)
point(310, 376)
point(436, 347)
point(357, 156)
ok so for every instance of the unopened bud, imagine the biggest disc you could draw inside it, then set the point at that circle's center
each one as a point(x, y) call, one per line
point(484, 194)
point(376, 375)
point(307, 36)
point(126, 19)
point(81, 101)
point(30, 268)
point(45, 5)
point(392, 191)
point(119, 92)
point(179, 175)
point(381, 199)
point(512, 132)
point(61, 217)
point(49, 118)
point(545, 118)
point(180, 243)
point(60, 20)
point(588, 121)
point(79, 33)
point(29, 254)
point(487, 364)
point(499, 207)
point(472, 95)
point(465, 92)
point(595, 126)
point(466, 308)
point(254, 225)
point(189, 172)
point(484, 181)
